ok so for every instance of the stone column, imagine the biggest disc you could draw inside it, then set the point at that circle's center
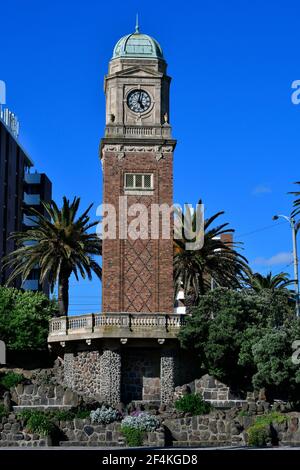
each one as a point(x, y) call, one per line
point(69, 369)
point(167, 376)
point(110, 380)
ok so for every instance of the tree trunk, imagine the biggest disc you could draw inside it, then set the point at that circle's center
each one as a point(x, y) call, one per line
point(63, 295)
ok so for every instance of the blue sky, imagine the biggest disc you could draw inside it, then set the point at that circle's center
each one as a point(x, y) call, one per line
point(232, 64)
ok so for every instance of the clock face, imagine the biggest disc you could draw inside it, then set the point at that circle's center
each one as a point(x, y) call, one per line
point(138, 101)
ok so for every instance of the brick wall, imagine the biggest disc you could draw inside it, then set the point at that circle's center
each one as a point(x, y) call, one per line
point(137, 275)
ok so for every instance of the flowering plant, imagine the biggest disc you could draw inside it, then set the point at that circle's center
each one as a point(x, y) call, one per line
point(143, 422)
point(105, 415)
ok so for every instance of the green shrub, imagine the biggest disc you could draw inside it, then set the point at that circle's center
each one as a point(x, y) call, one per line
point(24, 415)
point(244, 413)
point(258, 435)
point(133, 436)
point(193, 404)
point(3, 411)
point(40, 423)
point(69, 415)
point(11, 379)
point(37, 422)
point(259, 431)
point(62, 415)
point(82, 414)
point(274, 417)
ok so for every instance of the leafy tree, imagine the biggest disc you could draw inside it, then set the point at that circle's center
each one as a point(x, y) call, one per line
point(258, 282)
point(226, 325)
point(272, 355)
point(24, 318)
point(59, 246)
point(216, 259)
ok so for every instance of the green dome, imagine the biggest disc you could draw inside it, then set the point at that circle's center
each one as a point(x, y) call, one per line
point(137, 45)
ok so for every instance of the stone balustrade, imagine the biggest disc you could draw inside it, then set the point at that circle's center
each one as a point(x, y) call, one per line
point(138, 131)
point(115, 325)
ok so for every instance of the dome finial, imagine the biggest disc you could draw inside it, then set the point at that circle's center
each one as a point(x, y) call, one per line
point(137, 28)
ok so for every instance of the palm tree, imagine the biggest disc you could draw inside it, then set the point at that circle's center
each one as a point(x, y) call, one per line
point(296, 203)
point(258, 282)
point(59, 245)
point(216, 259)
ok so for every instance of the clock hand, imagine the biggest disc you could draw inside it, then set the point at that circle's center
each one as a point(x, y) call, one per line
point(140, 101)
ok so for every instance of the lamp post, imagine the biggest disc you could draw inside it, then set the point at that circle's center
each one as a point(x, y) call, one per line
point(294, 226)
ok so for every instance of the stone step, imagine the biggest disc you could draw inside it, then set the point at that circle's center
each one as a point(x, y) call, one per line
point(89, 444)
point(226, 404)
point(201, 444)
point(18, 408)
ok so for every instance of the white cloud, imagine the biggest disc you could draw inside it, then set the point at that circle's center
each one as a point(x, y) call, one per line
point(279, 258)
point(261, 189)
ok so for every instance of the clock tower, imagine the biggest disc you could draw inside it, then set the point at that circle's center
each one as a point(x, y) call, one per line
point(130, 351)
point(137, 161)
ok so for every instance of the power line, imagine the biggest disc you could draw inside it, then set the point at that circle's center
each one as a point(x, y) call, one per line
point(267, 227)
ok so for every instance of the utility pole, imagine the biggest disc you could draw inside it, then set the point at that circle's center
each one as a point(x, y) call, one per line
point(294, 228)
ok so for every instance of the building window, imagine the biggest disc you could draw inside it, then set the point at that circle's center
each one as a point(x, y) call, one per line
point(138, 181)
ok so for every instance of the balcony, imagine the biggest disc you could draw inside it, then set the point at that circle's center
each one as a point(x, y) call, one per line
point(115, 325)
point(30, 221)
point(31, 284)
point(32, 199)
point(32, 178)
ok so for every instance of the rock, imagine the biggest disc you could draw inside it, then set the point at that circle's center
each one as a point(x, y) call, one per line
point(293, 424)
point(120, 407)
point(259, 408)
point(50, 392)
point(213, 426)
point(262, 394)
point(7, 401)
point(78, 423)
point(28, 389)
point(70, 398)
point(220, 426)
point(15, 427)
point(88, 430)
point(245, 406)
point(186, 390)
point(266, 406)
point(235, 429)
point(20, 389)
point(59, 391)
point(162, 408)
point(252, 407)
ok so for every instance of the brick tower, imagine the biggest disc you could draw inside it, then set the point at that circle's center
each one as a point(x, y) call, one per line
point(130, 351)
point(137, 162)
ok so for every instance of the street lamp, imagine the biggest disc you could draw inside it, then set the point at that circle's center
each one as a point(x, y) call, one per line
point(294, 226)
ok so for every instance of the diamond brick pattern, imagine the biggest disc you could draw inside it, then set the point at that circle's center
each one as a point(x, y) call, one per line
point(138, 268)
